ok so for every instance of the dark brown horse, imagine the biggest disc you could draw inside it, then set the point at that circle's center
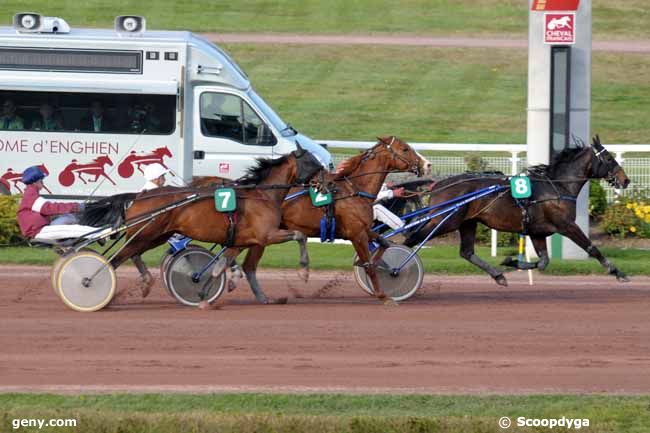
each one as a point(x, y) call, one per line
point(356, 182)
point(258, 214)
point(551, 209)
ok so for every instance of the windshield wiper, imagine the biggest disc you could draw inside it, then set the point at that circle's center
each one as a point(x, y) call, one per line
point(289, 128)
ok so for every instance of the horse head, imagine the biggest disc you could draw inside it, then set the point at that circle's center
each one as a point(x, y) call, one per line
point(402, 156)
point(306, 164)
point(162, 151)
point(605, 166)
point(104, 160)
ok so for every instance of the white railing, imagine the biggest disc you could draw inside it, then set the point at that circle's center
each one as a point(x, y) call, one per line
point(636, 167)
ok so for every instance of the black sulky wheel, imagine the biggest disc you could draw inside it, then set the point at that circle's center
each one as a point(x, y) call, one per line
point(400, 286)
point(181, 273)
point(85, 281)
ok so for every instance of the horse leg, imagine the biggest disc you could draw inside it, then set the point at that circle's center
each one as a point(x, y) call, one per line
point(467, 237)
point(249, 266)
point(539, 243)
point(360, 244)
point(146, 279)
point(235, 275)
point(133, 251)
point(226, 259)
point(383, 245)
point(573, 232)
point(281, 236)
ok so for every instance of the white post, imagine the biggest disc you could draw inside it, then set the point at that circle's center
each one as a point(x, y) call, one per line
point(493, 243)
point(514, 162)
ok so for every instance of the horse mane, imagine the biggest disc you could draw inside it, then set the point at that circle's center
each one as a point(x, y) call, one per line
point(261, 170)
point(109, 211)
point(348, 166)
point(547, 170)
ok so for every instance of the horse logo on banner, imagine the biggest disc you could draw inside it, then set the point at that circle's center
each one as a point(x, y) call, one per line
point(95, 168)
point(126, 167)
point(14, 179)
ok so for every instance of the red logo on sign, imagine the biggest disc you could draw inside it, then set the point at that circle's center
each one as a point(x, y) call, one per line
point(559, 28)
point(224, 168)
point(555, 5)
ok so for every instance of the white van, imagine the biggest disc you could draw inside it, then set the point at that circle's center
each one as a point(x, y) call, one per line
point(93, 107)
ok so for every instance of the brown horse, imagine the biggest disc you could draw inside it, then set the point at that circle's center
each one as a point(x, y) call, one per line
point(356, 182)
point(258, 214)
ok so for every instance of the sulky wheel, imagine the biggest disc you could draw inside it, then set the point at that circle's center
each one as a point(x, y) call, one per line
point(167, 258)
point(85, 281)
point(57, 265)
point(398, 287)
point(181, 274)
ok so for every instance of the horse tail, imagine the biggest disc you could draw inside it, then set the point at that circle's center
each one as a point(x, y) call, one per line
point(109, 211)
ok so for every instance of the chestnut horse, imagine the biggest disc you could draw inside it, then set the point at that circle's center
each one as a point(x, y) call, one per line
point(354, 186)
point(259, 196)
point(551, 209)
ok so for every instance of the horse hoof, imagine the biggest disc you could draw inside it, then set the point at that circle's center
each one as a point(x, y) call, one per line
point(262, 300)
point(303, 273)
point(622, 278)
point(231, 286)
point(145, 285)
point(501, 280)
point(280, 301)
point(390, 302)
point(205, 305)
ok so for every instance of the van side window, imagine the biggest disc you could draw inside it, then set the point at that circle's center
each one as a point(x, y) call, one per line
point(228, 116)
point(88, 112)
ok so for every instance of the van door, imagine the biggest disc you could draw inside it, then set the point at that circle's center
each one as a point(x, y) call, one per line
point(228, 134)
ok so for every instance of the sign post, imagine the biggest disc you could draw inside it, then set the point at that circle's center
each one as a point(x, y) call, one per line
point(559, 92)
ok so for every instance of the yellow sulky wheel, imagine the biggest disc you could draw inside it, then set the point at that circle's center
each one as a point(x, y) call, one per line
point(54, 272)
point(85, 281)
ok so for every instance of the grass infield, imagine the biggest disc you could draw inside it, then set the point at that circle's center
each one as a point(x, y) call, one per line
point(441, 259)
point(612, 19)
point(321, 413)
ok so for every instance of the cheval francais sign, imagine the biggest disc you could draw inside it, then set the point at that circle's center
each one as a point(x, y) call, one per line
point(559, 28)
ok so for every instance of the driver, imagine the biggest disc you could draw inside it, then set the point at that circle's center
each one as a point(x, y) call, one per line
point(381, 213)
point(154, 174)
point(36, 215)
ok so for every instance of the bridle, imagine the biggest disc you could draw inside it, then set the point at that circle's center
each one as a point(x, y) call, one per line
point(610, 176)
point(413, 167)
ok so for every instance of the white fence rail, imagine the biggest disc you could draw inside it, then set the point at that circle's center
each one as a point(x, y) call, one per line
point(637, 165)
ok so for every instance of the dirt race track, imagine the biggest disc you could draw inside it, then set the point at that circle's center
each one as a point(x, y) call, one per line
point(460, 335)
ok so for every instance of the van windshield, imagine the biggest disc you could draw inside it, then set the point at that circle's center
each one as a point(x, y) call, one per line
point(273, 118)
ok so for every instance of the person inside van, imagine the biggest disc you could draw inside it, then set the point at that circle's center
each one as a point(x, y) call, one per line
point(47, 119)
point(44, 220)
point(143, 118)
point(9, 119)
point(221, 116)
point(96, 120)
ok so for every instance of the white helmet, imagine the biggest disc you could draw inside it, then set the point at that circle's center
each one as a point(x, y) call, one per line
point(154, 171)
